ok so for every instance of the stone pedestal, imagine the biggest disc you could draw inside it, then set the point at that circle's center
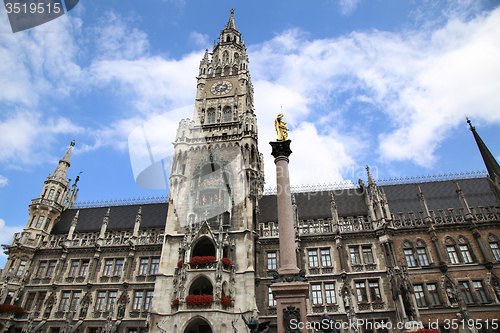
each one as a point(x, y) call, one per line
point(291, 305)
point(290, 289)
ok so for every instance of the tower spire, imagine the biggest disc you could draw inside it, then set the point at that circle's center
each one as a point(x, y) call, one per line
point(62, 169)
point(490, 162)
point(231, 24)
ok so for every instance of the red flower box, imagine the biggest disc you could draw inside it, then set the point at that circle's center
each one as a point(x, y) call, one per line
point(175, 303)
point(202, 262)
point(227, 262)
point(226, 301)
point(180, 263)
point(199, 300)
point(5, 308)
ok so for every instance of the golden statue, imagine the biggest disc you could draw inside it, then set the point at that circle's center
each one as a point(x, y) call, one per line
point(281, 129)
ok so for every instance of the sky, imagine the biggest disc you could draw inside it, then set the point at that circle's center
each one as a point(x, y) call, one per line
point(385, 83)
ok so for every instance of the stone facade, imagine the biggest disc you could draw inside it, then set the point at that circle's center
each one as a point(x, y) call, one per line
point(425, 251)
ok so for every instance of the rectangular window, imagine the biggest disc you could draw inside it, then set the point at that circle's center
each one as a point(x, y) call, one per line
point(464, 288)
point(143, 266)
point(355, 258)
point(155, 264)
point(64, 301)
point(29, 301)
point(110, 304)
point(138, 295)
point(41, 269)
point(495, 250)
point(118, 267)
point(367, 255)
point(20, 268)
point(149, 300)
point(422, 257)
point(464, 250)
point(433, 294)
point(374, 291)
point(75, 299)
point(316, 294)
point(330, 293)
point(325, 258)
point(39, 222)
point(51, 268)
point(452, 254)
point(99, 304)
point(313, 258)
point(419, 295)
point(271, 260)
point(39, 301)
point(481, 295)
point(361, 292)
point(272, 301)
point(108, 266)
point(74, 268)
point(84, 267)
point(410, 259)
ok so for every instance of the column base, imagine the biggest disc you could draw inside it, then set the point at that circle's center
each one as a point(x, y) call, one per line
point(291, 305)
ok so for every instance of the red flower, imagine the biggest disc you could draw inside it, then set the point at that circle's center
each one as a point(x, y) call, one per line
point(179, 264)
point(5, 308)
point(227, 262)
point(175, 303)
point(226, 301)
point(199, 300)
point(201, 262)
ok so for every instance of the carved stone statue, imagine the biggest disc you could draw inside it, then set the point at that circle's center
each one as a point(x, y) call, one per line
point(281, 129)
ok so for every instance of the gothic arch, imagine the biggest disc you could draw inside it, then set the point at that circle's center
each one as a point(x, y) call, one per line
point(194, 324)
point(204, 245)
point(201, 284)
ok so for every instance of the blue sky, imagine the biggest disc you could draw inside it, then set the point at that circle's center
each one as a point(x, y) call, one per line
point(382, 82)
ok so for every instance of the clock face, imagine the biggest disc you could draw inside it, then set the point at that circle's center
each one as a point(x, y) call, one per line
point(221, 87)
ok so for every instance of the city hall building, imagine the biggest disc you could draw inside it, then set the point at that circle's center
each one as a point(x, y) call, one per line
point(420, 250)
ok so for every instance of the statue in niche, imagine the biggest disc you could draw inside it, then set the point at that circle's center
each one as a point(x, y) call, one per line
point(281, 129)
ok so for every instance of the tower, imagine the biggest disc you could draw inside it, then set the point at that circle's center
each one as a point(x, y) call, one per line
point(216, 180)
point(44, 212)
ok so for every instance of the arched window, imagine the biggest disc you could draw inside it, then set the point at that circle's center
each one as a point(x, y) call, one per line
point(51, 194)
point(225, 57)
point(204, 247)
point(409, 254)
point(465, 251)
point(423, 259)
point(236, 57)
point(227, 114)
point(228, 39)
point(57, 195)
point(451, 250)
point(494, 246)
point(201, 286)
point(227, 70)
point(235, 70)
point(211, 116)
point(218, 71)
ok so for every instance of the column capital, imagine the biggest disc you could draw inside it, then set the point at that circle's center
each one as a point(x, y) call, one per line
point(281, 148)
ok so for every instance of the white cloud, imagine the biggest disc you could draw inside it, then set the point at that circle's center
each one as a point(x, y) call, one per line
point(421, 83)
point(27, 137)
point(6, 234)
point(198, 39)
point(347, 7)
point(3, 181)
point(116, 39)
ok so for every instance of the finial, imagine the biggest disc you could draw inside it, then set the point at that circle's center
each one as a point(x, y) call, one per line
point(370, 177)
point(472, 128)
point(72, 144)
point(232, 11)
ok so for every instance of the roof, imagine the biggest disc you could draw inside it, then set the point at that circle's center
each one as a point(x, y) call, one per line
point(154, 216)
point(316, 205)
point(439, 195)
point(311, 205)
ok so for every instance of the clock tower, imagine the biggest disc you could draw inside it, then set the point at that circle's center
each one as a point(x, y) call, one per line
point(207, 266)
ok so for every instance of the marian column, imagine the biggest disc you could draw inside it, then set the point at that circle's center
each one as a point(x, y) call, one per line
point(289, 287)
